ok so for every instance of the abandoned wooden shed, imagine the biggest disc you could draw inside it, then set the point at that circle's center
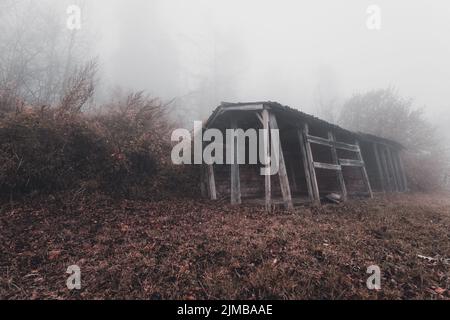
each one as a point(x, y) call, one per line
point(316, 158)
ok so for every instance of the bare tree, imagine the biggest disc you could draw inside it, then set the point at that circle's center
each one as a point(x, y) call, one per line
point(326, 96)
point(384, 113)
point(36, 50)
point(79, 88)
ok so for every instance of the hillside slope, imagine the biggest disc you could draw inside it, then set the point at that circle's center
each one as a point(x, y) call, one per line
point(200, 250)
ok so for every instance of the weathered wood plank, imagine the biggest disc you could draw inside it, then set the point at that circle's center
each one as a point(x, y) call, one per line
point(340, 176)
point(327, 166)
point(309, 155)
point(383, 156)
point(392, 169)
point(282, 173)
point(402, 172)
point(331, 143)
point(351, 163)
point(319, 140)
point(211, 182)
point(364, 172)
point(235, 180)
point(292, 179)
point(397, 171)
point(346, 146)
point(301, 138)
point(379, 167)
point(254, 107)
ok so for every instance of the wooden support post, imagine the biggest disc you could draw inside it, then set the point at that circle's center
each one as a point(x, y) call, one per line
point(364, 172)
point(211, 182)
point(301, 138)
point(268, 188)
point(235, 180)
point(284, 181)
point(392, 169)
point(310, 161)
point(379, 167)
point(340, 176)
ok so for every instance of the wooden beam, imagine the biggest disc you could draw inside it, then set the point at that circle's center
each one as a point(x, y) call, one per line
point(211, 182)
point(331, 143)
point(250, 107)
point(327, 166)
point(260, 118)
point(301, 138)
point(235, 180)
point(267, 183)
point(351, 163)
point(284, 181)
point(379, 167)
point(319, 140)
point(230, 107)
point(346, 146)
point(340, 176)
point(312, 171)
point(364, 172)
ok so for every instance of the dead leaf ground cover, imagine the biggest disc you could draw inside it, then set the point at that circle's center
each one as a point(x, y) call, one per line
point(190, 249)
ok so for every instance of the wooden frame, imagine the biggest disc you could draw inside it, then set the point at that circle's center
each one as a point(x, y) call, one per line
point(306, 168)
point(340, 176)
point(282, 173)
point(364, 171)
point(336, 165)
point(388, 162)
point(310, 164)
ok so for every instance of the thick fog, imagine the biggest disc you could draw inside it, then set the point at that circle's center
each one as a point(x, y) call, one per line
point(301, 53)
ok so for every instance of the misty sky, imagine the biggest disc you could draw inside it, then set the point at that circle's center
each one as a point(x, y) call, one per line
point(286, 51)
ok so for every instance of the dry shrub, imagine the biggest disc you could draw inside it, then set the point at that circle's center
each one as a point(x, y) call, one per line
point(9, 101)
point(42, 152)
point(138, 129)
point(124, 151)
point(79, 88)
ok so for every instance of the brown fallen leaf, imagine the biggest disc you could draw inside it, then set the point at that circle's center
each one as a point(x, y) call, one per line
point(54, 254)
point(440, 290)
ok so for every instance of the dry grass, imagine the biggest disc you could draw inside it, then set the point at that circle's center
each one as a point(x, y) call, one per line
point(198, 250)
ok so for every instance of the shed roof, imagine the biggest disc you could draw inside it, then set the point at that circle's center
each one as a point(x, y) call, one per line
point(301, 116)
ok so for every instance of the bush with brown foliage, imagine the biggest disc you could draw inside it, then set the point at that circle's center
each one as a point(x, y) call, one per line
point(40, 151)
point(122, 151)
point(138, 129)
